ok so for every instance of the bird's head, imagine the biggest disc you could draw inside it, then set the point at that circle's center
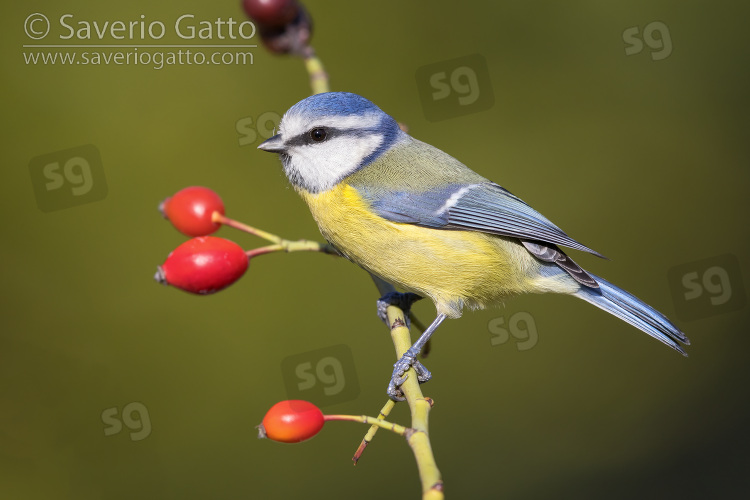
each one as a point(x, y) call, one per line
point(326, 137)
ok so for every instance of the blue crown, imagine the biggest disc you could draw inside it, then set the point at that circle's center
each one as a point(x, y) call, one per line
point(335, 104)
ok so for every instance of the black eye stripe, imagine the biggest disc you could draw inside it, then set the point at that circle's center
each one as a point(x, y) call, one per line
point(304, 138)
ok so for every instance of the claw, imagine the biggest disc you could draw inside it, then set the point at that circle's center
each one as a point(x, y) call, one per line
point(423, 374)
point(399, 376)
point(395, 393)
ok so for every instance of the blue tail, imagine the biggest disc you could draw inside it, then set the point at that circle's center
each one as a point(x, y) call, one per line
point(630, 308)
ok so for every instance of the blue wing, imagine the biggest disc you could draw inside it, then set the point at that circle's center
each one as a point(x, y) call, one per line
point(484, 207)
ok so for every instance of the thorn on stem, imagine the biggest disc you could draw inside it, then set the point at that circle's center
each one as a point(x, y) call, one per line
point(398, 322)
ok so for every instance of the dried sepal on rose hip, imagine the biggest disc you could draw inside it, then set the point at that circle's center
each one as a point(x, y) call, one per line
point(291, 421)
point(203, 265)
point(190, 210)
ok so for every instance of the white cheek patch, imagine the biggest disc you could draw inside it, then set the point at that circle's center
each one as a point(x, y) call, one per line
point(323, 165)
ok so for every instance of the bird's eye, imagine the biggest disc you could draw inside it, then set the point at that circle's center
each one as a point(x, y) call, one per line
point(318, 134)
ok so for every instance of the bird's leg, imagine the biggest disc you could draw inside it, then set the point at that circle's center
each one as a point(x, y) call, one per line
point(404, 302)
point(409, 360)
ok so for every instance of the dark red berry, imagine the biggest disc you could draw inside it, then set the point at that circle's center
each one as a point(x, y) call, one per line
point(285, 27)
point(203, 265)
point(271, 13)
point(190, 210)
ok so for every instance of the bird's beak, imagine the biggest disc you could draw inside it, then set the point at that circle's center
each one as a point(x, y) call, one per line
point(273, 145)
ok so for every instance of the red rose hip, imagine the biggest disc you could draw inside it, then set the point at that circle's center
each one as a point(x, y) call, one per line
point(291, 421)
point(190, 210)
point(203, 265)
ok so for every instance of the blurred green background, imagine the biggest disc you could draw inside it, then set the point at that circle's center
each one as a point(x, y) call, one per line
point(643, 158)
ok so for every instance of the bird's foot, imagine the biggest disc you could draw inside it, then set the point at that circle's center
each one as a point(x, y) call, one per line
point(408, 360)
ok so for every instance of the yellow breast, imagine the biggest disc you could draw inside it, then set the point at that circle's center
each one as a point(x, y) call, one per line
point(453, 268)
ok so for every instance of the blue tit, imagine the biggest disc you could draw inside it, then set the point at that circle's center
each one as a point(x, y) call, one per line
point(418, 218)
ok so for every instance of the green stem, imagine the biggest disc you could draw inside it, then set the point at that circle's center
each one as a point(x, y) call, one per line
point(279, 243)
point(364, 419)
point(419, 440)
point(318, 76)
point(221, 219)
point(384, 412)
point(263, 250)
